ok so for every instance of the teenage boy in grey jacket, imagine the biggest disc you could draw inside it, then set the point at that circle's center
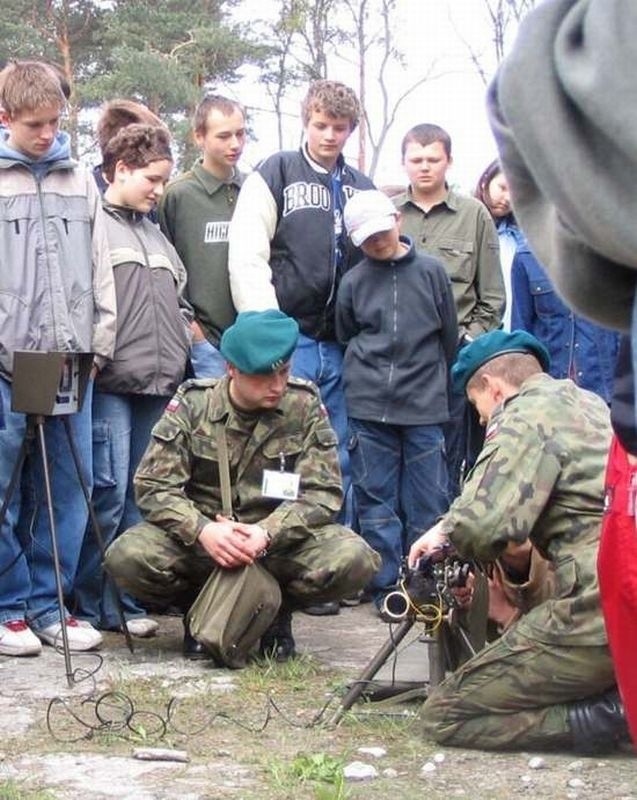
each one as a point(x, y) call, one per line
point(56, 293)
point(395, 312)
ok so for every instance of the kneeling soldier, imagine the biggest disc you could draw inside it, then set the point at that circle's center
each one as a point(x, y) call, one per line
point(239, 488)
point(548, 682)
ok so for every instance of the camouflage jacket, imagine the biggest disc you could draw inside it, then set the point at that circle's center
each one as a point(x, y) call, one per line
point(540, 475)
point(177, 483)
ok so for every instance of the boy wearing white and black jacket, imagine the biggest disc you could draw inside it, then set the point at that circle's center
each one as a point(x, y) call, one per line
point(288, 248)
point(396, 315)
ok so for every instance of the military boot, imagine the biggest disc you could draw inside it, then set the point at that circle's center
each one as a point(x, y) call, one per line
point(192, 649)
point(598, 724)
point(277, 642)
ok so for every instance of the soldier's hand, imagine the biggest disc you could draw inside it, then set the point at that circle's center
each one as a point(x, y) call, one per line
point(256, 537)
point(228, 547)
point(433, 539)
point(464, 594)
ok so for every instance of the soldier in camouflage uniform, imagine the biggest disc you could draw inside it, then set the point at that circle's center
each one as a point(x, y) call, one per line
point(539, 477)
point(231, 568)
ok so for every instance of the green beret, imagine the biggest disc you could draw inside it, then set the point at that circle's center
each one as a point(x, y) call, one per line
point(490, 345)
point(259, 342)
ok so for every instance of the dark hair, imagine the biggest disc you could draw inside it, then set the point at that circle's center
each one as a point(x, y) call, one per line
point(334, 99)
point(136, 146)
point(117, 114)
point(482, 188)
point(210, 101)
point(426, 134)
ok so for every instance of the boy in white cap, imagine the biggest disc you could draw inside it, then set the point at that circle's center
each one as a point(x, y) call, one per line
point(396, 315)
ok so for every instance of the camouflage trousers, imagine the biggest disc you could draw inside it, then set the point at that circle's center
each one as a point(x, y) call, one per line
point(157, 569)
point(514, 694)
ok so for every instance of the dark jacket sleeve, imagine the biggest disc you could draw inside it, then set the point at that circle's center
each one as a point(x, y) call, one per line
point(622, 410)
point(449, 317)
point(345, 321)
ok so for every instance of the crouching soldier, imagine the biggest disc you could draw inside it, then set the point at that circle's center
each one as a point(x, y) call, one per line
point(548, 681)
point(239, 488)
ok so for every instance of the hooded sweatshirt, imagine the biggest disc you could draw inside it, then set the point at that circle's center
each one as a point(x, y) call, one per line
point(56, 281)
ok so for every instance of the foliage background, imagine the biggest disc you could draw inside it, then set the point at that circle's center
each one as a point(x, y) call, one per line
point(168, 53)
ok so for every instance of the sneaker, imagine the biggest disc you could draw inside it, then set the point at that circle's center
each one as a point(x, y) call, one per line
point(81, 635)
point(17, 639)
point(142, 627)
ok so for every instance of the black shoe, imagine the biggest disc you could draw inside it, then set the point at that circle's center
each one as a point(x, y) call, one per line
point(598, 724)
point(277, 642)
point(194, 650)
point(329, 609)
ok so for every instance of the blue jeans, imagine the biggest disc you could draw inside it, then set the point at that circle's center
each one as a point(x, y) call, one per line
point(206, 360)
point(399, 473)
point(27, 577)
point(121, 432)
point(322, 363)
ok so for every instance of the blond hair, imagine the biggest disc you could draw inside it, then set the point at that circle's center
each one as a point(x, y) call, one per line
point(334, 99)
point(29, 86)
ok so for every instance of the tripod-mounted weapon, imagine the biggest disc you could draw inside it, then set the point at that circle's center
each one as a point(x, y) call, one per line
point(425, 595)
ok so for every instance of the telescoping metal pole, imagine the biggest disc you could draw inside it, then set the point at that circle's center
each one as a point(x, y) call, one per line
point(371, 669)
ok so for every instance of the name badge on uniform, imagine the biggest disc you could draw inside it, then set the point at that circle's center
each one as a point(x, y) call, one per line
point(280, 485)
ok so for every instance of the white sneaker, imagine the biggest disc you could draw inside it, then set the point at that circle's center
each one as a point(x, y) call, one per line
point(142, 627)
point(17, 639)
point(81, 635)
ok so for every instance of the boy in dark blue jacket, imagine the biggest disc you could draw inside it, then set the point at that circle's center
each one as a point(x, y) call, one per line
point(396, 314)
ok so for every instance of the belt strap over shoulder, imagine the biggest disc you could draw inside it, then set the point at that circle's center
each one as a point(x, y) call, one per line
point(224, 472)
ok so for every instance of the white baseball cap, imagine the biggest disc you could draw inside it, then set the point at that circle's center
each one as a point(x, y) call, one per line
point(367, 213)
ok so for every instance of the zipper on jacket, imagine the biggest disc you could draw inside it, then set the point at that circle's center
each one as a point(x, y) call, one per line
point(151, 286)
point(335, 248)
point(394, 331)
point(38, 184)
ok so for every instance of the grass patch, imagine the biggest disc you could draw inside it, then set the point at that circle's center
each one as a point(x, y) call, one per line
point(321, 771)
point(18, 790)
point(266, 674)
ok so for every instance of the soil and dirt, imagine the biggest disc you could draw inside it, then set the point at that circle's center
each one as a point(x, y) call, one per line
point(255, 733)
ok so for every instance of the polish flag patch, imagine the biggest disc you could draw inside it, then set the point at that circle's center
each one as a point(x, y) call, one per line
point(491, 431)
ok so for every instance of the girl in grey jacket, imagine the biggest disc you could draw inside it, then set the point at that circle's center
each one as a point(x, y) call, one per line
point(153, 337)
